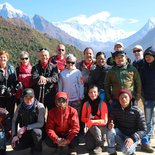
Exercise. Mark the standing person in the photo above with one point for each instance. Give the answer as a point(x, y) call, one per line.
point(85, 66)
point(95, 116)
point(59, 58)
point(23, 74)
point(44, 78)
point(147, 73)
point(7, 83)
point(138, 57)
point(126, 125)
point(62, 124)
point(118, 46)
point(122, 75)
point(97, 76)
point(29, 116)
point(71, 82)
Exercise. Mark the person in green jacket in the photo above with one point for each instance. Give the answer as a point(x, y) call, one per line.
point(122, 76)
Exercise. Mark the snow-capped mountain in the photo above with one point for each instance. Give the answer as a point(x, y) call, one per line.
point(7, 11)
point(140, 34)
point(44, 26)
point(96, 28)
point(97, 31)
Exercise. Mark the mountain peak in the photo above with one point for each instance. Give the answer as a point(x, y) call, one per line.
point(7, 8)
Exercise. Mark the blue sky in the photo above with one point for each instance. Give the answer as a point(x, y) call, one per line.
point(136, 12)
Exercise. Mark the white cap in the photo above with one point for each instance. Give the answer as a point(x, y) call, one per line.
point(138, 47)
point(119, 43)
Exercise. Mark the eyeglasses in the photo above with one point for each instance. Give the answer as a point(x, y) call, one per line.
point(61, 50)
point(135, 51)
point(69, 62)
point(24, 58)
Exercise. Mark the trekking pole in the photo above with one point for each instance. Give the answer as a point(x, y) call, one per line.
point(43, 93)
point(40, 93)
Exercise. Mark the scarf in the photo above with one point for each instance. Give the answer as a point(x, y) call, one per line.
point(25, 68)
point(88, 64)
point(94, 105)
point(28, 107)
point(61, 63)
point(43, 65)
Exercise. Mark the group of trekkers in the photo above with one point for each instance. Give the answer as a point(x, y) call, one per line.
point(93, 100)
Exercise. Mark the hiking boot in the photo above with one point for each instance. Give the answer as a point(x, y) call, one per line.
point(115, 153)
point(147, 148)
point(73, 153)
point(97, 150)
point(132, 154)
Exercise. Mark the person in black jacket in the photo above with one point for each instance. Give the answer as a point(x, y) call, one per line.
point(44, 79)
point(147, 74)
point(7, 83)
point(97, 75)
point(30, 116)
point(126, 125)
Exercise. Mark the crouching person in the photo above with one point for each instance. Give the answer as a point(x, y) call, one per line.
point(62, 124)
point(95, 116)
point(126, 125)
point(5, 127)
point(30, 118)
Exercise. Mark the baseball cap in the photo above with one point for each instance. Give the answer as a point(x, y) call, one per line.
point(28, 92)
point(114, 54)
point(138, 47)
point(119, 43)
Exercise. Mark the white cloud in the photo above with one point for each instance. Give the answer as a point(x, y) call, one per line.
point(116, 20)
point(102, 16)
point(83, 19)
point(133, 21)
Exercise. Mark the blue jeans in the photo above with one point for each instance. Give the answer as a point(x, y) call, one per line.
point(116, 136)
point(149, 110)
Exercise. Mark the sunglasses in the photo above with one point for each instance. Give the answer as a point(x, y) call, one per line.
point(69, 62)
point(24, 58)
point(61, 50)
point(61, 100)
point(43, 49)
point(135, 51)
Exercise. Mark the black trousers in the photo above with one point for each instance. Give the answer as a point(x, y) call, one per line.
point(30, 139)
point(72, 145)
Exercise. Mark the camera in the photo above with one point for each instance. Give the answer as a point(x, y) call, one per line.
point(18, 86)
point(4, 91)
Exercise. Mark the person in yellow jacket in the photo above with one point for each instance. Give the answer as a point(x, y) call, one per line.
point(95, 117)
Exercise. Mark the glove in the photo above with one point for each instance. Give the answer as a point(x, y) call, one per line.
point(21, 131)
point(14, 140)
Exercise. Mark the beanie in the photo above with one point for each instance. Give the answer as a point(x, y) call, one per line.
point(127, 92)
point(150, 51)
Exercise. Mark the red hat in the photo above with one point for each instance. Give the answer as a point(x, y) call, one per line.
point(127, 92)
point(61, 95)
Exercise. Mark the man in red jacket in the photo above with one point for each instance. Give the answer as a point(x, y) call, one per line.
point(62, 124)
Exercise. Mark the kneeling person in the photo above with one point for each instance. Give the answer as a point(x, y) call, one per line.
point(30, 117)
